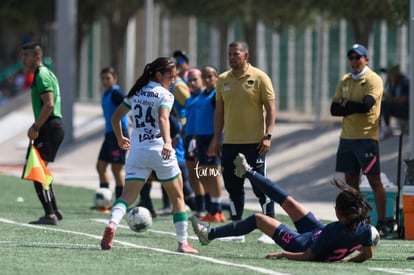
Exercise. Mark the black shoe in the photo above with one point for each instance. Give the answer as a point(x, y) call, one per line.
point(383, 229)
point(59, 214)
point(47, 219)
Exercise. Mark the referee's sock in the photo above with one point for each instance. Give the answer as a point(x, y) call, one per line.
point(45, 198)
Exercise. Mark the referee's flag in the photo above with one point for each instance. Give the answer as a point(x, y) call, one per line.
point(35, 168)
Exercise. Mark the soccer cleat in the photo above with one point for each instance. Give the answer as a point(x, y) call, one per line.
point(165, 211)
point(218, 217)
point(265, 239)
point(241, 165)
point(186, 248)
point(383, 229)
point(222, 217)
point(108, 236)
point(103, 210)
point(47, 219)
point(201, 230)
point(59, 214)
point(200, 214)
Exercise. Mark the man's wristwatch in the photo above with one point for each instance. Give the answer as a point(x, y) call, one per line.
point(267, 136)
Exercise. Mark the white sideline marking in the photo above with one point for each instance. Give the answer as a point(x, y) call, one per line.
point(208, 259)
point(82, 245)
point(150, 230)
point(395, 270)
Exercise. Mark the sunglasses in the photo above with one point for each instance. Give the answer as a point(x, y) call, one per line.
point(354, 57)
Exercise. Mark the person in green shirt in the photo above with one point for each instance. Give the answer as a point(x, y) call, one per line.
point(47, 131)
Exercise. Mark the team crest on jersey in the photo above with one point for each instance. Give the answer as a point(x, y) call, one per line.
point(345, 88)
point(226, 87)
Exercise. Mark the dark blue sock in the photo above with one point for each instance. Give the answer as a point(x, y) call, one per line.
point(239, 228)
point(200, 203)
point(191, 203)
point(207, 200)
point(118, 191)
point(270, 188)
point(104, 185)
point(145, 198)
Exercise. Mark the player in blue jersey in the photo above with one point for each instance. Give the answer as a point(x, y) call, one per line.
point(195, 83)
point(312, 240)
point(110, 152)
point(208, 168)
point(150, 148)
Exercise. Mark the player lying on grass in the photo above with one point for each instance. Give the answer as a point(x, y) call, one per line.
point(313, 240)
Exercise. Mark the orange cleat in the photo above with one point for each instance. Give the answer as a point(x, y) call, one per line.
point(108, 237)
point(186, 248)
point(217, 217)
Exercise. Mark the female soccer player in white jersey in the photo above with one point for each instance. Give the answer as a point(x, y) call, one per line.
point(150, 148)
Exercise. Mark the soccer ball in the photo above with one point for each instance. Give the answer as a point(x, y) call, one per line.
point(375, 236)
point(139, 219)
point(102, 198)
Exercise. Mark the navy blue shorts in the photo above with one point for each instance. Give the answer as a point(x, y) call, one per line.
point(298, 241)
point(50, 137)
point(203, 142)
point(187, 156)
point(110, 151)
point(354, 155)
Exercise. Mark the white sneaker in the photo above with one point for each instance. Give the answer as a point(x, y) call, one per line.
point(237, 239)
point(201, 230)
point(242, 167)
point(265, 239)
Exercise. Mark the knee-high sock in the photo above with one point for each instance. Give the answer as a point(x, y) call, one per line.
point(239, 228)
point(118, 211)
point(191, 203)
point(118, 191)
point(52, 195)
point(180, 220)
point(215, 206)
point(145, 198)
point(45, 198)
point(200, 203)
point(270, 188)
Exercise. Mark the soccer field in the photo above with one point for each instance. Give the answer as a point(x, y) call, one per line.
point(73, 247)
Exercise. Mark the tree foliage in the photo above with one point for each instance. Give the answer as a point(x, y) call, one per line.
point(275, 13)
point(117, 13)
point(26, 15)
point(36, 15)
point(362, 14)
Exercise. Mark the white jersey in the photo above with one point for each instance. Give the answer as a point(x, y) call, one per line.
point(144, 106)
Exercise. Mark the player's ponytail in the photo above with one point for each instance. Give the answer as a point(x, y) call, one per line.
point(351, 206)
point(161, 64)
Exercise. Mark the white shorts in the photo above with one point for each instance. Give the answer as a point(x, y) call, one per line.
point(141, 163)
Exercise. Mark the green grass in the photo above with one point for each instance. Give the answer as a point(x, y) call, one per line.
point(72, 247)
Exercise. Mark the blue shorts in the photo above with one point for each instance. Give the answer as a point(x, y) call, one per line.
point(110, 151)
point(354, 155)
point(187, 156)
point(203, 142)
point(298, 241)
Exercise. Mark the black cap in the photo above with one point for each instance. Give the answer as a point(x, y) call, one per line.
point(181, 54)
